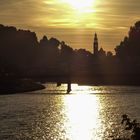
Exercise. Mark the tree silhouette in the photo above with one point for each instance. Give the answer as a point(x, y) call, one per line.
point(129, 48)
point(22, 55)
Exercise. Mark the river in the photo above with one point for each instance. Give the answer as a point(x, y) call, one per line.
point(87, 113)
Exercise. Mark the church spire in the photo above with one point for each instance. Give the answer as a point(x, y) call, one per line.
point(95, 45)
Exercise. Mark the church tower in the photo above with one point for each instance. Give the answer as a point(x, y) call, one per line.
point(95, 45)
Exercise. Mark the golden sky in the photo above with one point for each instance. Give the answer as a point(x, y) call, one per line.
point(73, 21)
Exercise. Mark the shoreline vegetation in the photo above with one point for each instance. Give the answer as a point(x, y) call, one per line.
point(22, 56)
point(131, 126)
point(13, 86)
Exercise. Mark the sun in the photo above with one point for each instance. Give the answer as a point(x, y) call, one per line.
point(81, 4)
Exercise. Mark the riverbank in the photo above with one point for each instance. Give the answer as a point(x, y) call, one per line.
point(12, 86)
point(116, 80)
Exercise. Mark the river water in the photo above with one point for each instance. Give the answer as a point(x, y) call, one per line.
point(87, 113)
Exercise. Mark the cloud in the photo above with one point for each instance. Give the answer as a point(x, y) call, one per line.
point(108, 17)
point(57, 13)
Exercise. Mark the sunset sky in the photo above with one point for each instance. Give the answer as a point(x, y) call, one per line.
point(73, 21)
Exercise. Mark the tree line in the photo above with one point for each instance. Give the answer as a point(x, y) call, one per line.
point(22, 55)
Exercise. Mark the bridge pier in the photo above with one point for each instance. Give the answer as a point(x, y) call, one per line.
point(68, 86)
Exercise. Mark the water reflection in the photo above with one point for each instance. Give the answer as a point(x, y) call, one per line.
point(76, 89)
point(80, 89)
point(83, 121)
point(51, 114)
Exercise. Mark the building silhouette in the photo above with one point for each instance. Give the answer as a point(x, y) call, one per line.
point(95, 45)
point(97, 52)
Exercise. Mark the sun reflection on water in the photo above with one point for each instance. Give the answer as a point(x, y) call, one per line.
point(82, 112)
point(77, 89)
